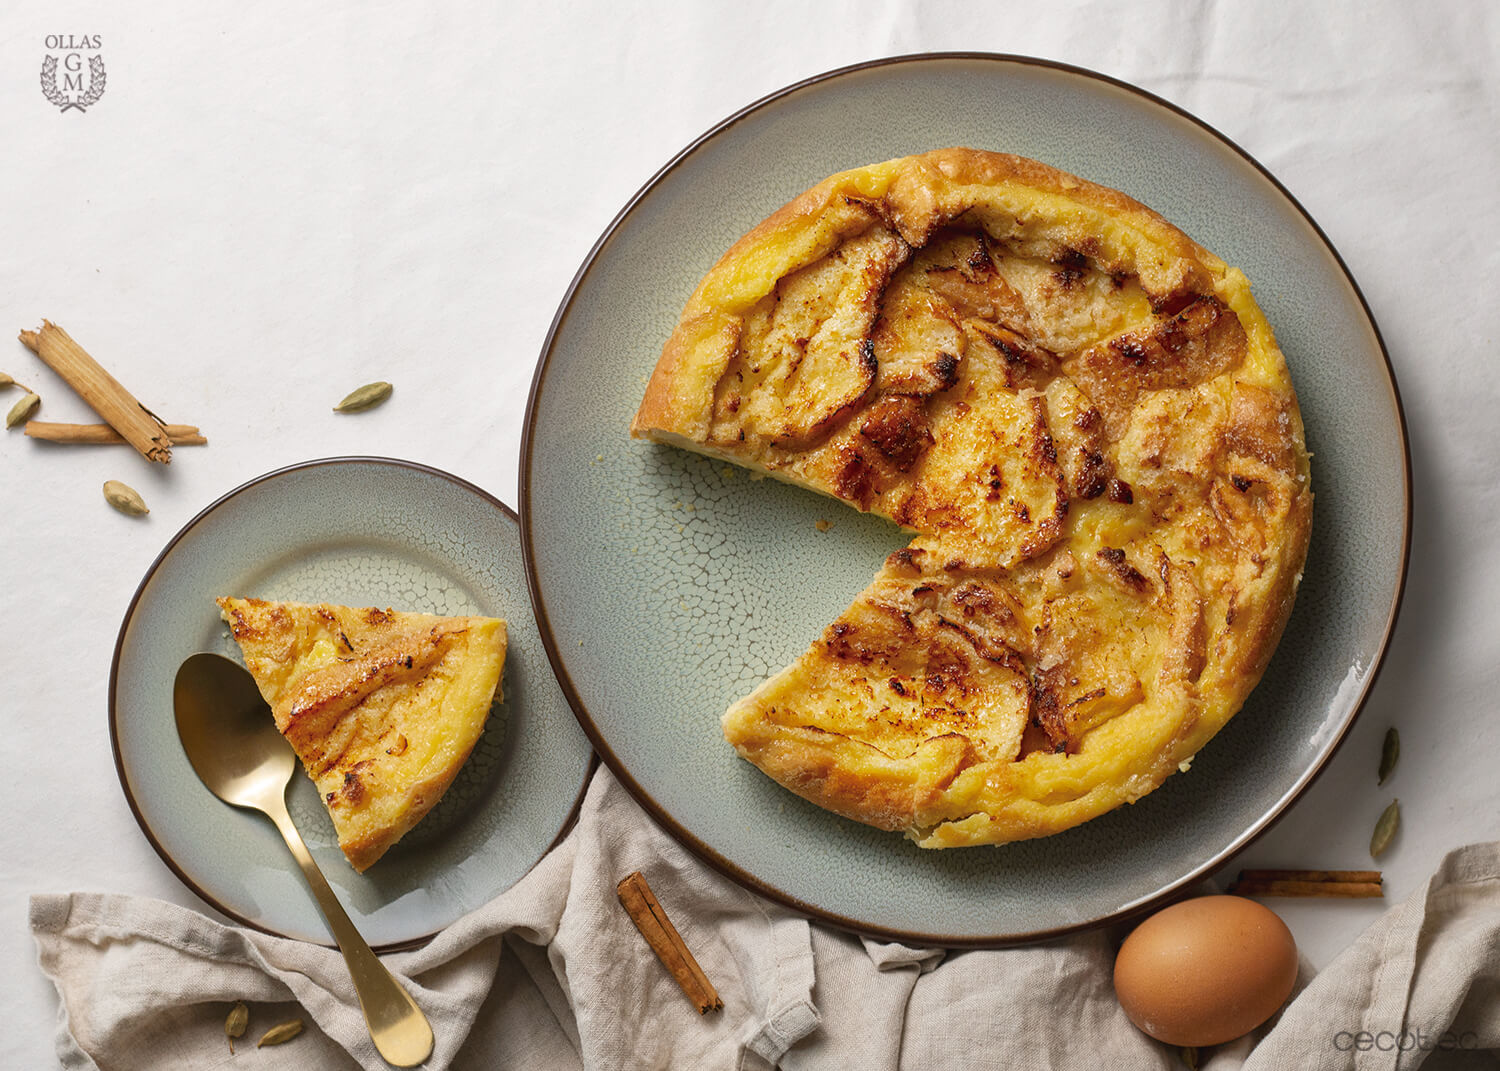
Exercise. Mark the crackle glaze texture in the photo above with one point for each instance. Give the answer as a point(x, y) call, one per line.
point(358, 532)
point(671, 584)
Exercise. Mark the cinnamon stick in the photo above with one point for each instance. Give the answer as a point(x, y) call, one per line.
point(640, 904)
point(1349, 890)
point(103, 434)
point(1347, 884)
point(1311, 875)
point(106, 396)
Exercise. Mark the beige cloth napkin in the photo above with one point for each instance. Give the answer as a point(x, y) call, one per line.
point(552, 974)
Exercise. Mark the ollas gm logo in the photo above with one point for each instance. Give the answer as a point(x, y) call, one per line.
point(73, 71)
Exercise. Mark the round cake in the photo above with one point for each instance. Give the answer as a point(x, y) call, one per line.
point(1085, 421)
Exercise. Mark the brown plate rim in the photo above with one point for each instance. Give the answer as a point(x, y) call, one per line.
point(114, 670)
point(703, 851)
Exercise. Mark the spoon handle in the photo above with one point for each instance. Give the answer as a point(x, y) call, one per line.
point(397, 1026)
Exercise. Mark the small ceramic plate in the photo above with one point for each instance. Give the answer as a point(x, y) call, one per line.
point(360, 532)
point(667, 585)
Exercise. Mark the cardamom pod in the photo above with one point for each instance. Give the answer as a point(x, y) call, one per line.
point(1390, 752)
point(7, 381)
point(1189, 1056)
point(1385, 829)
point(234, 1026)
point(366, 397)
point(280, 1032)
point(124, 498)
point(22, 410)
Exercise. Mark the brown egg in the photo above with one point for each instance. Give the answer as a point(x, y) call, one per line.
point(1205, 971)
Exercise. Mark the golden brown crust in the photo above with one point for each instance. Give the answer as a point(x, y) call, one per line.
point(664, 406)
point(382, 707)
point(1086, 419)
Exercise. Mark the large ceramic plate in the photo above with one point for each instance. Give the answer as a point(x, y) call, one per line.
point(668, 585)
point(362, 532)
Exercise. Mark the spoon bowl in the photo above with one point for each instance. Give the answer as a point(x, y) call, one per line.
point(228, 733)
point(232, 742)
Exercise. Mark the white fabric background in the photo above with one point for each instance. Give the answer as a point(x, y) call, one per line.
point(276, 202)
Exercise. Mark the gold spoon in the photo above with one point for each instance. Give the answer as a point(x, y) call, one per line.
point(232, 741)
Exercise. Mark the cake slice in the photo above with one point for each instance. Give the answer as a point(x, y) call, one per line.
point(382, 707)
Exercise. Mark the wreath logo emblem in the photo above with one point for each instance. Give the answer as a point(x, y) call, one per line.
point(63, 81)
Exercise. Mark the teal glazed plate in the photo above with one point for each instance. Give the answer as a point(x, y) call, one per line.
point(666, 585)
point(360, 532)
